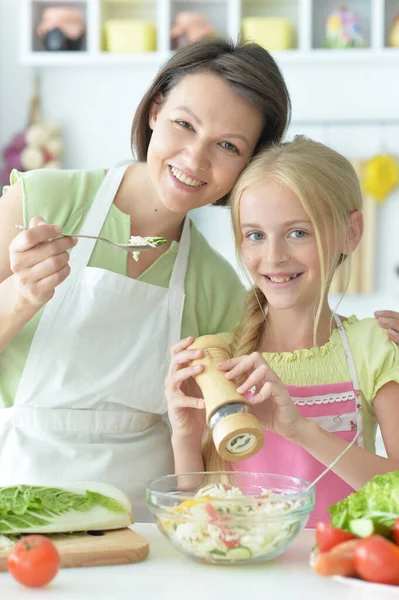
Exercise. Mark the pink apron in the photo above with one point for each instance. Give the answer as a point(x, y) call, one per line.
point(337, 408)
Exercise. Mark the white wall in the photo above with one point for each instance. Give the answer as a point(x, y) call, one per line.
point(15, 80)
point(96, 104)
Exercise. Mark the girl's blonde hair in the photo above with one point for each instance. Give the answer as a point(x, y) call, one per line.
point(328, 187)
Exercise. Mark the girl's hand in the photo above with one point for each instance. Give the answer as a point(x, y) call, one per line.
point(185, 402)
point(271, 402)
point(389, 320)
point(39, 262)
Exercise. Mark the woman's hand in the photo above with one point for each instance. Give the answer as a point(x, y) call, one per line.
point(389, 320)
point(39, 262)
point(185, 402)
point(271, 402)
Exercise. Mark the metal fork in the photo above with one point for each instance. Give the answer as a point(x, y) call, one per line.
point(126, 247)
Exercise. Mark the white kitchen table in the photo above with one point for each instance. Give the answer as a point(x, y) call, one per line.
point(167, 575)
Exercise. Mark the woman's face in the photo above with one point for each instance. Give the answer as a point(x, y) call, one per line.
point(204, 133)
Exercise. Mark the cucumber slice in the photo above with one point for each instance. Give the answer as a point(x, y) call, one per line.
point(239, 553)
point(218, 553)
point(365, 527)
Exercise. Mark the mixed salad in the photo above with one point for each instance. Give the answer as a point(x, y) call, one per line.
point(362, 539)
point(137, 240)
point(222, 524)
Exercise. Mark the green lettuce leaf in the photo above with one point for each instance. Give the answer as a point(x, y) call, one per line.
point(378, 500)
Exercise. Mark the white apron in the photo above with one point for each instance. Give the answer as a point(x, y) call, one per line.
point(91, 396)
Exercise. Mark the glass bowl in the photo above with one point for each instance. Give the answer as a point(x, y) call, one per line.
point(230, 517)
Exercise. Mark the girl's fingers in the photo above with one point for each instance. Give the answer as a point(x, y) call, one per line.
point(181, 345)
point(264, 393)
point(246, 365)
point(181, 401)
point(183, 359)
point(177, 377)
point(256, 379)
point(226, 365)
point(276, 391)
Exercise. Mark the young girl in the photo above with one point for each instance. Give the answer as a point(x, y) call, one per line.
point(318, 380)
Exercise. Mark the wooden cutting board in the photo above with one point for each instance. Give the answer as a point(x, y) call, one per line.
point(118, 547)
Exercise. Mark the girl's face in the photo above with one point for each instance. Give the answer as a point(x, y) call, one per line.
point(279, 246)
point(203, 136)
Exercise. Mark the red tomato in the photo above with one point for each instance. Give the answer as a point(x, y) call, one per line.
point(34, 561)
point(395, 531)
point(328, 536)
point(377, 560)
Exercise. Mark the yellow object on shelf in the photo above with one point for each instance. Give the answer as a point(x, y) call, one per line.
point(273, 33)
point(130, 35)
point(394, 33)
point(381, 176)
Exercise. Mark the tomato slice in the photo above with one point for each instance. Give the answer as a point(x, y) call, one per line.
point(328, 536)
point(377, 560)
point(213, 513)
point(34, 561)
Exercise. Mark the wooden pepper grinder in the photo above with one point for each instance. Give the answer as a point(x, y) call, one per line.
point(236, 432)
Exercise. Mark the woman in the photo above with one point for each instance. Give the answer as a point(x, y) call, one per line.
point(85, 340)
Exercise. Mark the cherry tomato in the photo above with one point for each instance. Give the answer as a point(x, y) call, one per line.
point(328, 536)
point(377, 560)
point(34, 561)
point(395, 532)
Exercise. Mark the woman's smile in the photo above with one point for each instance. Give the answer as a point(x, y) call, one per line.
point(185, 180)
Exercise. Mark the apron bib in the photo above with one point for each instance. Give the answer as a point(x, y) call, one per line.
point(337, 408)
point(90, 401)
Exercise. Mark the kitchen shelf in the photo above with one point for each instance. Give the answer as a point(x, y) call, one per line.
point(307, 16)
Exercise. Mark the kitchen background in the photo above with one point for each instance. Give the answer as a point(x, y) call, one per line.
point(346, 97)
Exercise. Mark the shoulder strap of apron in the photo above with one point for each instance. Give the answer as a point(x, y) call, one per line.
point(348, 353)
point(180, 267)
point(96, 216)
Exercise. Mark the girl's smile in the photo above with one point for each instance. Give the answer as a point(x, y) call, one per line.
point(280, 280)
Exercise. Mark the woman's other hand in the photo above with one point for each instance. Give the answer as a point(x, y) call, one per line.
point(389, 320)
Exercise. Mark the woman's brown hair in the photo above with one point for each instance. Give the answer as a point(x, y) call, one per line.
point(249, 70)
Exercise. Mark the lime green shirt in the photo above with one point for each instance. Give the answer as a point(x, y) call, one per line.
point(376, 360)
point(214, 294)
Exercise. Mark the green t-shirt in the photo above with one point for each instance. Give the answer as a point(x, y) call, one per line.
point(214, 294)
